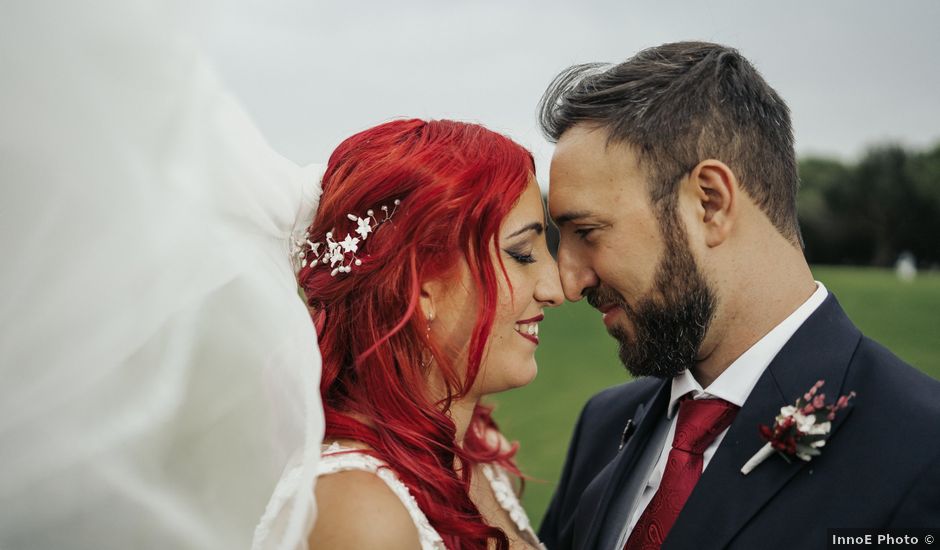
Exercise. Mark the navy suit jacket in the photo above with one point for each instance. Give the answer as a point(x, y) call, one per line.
point(879, 468)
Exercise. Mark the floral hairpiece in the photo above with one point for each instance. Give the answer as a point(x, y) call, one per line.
point(341, 255)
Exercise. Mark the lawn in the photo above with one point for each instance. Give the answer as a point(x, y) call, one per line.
point(577, 358)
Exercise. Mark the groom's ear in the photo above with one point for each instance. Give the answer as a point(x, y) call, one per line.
point(714, 189)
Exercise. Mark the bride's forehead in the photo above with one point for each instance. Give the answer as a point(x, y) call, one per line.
point(528, 204)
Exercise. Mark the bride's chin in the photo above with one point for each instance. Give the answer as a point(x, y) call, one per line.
point(518, 376)
point(529, 379)
point(522, 375)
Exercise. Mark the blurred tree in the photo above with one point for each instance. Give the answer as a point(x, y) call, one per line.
point(867, 214)
point(824, 232)
point(877, 206)
point(924, 171)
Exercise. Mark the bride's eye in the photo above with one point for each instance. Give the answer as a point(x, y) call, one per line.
point(521, 257)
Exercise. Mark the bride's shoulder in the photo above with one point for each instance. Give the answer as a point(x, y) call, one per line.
point(357, 509)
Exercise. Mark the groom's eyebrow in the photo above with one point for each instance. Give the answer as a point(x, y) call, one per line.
point(568, 217)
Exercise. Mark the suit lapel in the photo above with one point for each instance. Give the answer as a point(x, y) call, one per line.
point(724, 499)
point(595, 501)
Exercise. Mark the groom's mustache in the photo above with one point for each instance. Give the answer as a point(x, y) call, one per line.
point(601, 296)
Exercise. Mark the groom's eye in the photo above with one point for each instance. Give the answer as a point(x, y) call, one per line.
point(583, 232)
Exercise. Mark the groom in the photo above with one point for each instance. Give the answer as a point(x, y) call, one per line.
point(673, 185)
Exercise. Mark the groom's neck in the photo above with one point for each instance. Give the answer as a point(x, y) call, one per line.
point(758, 287)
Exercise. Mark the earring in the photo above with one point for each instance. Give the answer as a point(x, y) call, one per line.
point(427, 336)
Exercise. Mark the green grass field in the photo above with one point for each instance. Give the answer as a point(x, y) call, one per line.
point(577, 358)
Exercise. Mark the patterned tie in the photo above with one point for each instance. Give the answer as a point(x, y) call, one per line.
point(699, 423)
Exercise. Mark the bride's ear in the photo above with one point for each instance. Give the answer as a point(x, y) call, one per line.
point(430, 290)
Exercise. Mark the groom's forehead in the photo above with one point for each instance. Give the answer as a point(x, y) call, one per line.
point(586, 201)
point(588, 177)
point(586, 157)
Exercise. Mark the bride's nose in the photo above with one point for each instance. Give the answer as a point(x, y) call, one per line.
point(548, 291)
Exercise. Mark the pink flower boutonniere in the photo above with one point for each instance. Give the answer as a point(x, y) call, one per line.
point(800, 429)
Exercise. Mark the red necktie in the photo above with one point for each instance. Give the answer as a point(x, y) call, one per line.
point(699, 423)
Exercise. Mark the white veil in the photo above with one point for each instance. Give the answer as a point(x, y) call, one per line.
point(158, 371)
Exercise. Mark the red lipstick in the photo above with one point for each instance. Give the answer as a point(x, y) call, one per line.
point(535, 319)
point(530, 337)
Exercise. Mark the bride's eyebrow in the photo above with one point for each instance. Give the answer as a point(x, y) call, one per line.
point(538, 227)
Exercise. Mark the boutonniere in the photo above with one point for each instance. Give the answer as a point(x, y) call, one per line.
point(800, 429)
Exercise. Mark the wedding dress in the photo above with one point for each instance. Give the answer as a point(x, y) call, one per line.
point(157, 368)
point(336, 458)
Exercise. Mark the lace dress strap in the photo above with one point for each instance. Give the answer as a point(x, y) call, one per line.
point(507, 499)
point(336, 458)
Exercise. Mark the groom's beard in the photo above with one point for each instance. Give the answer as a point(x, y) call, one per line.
point(670, 322)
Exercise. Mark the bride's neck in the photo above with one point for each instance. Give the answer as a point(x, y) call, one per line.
point(461, 412)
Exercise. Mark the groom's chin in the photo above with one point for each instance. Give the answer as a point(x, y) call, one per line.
point(644, 361)
point(644, 370)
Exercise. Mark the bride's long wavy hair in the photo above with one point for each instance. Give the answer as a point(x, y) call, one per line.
point(456, 183)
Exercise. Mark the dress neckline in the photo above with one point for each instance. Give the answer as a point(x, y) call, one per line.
point(495, 475)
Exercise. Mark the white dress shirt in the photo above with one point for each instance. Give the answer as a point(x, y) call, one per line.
point(733, 385)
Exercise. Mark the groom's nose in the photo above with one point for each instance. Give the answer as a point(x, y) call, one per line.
point(576, 274)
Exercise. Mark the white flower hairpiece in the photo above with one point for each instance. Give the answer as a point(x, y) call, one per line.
point(341, 255)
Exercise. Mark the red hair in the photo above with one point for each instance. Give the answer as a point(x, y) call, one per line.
point(456, 182)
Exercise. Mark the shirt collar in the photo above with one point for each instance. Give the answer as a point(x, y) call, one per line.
point(736, 382)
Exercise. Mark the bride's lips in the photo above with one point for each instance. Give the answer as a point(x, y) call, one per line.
point(529, 333)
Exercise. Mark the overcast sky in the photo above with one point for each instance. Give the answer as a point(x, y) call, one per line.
point(854, 73)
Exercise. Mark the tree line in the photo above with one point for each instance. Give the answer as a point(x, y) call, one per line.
point(870, 211)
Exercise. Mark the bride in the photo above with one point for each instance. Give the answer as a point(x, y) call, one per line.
point(159, 371)
point(426, 272)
